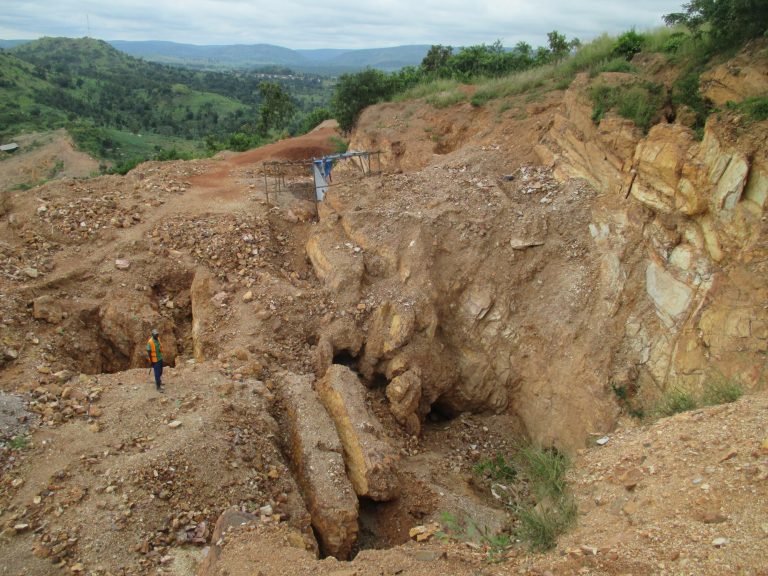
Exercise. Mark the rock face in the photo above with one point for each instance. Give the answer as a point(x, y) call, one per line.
point(625, 260)
point(201, 292)
point(315, 453)
point(456, 317)
point(699, 209)
point(126, 321)
point(371, 463)
point(745, 76)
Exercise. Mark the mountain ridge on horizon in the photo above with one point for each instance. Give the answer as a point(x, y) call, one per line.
point(242, 56)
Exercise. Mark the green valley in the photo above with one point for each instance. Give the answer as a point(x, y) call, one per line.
point(123, 109)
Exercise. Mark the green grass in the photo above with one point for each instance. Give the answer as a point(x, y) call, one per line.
point(542, 502)
point(19, 442)
point(427, 89)
point(553, 509)
point(675, 401)
point(446, 99)
point(717, 389)
point(640, 102)
point(498, 468)
point(720, 390)
point(755, 109)
point(541, 526)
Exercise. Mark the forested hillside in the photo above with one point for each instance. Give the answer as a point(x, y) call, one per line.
point(107, 98)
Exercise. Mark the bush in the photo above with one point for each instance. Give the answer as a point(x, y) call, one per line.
point(629, 44)
point(356, 91)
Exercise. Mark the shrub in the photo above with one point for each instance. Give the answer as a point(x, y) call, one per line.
point(629, 44)
point(356, 91)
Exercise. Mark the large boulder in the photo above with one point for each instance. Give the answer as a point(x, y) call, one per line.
point(315, 453)
point(371, 461)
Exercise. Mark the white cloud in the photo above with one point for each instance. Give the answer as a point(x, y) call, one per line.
point(329, 24)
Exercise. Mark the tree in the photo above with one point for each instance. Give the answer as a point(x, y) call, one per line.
point(727, 22)
point(436, 58)
point(559, 47)
point(356, 91)
point(276, 107)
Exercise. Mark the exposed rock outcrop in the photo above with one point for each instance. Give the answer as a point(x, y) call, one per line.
point(371, 462)
point(315, 453)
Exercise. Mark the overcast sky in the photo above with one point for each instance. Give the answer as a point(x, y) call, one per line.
point(329, 23)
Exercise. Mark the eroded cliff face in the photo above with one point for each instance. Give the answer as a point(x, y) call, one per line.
point(470, 287)
point(547, 261)
point(700, 312)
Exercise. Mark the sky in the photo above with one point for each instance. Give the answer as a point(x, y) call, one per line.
point(300, 24)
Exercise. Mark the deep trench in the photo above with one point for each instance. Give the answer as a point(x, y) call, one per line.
point(383, 525)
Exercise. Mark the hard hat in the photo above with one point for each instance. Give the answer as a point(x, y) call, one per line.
point(155, 332)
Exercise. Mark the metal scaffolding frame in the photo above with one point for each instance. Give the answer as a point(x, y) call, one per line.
point(275, 172)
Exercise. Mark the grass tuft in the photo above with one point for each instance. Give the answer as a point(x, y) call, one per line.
point(19, 443)
point(720, 390)
point(675, 401)
point(541, 525)
point(554, 510)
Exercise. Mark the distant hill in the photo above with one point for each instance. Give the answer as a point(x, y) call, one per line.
point(4, 44)
point(108, 99)
point(249, 56)
point(326, 60)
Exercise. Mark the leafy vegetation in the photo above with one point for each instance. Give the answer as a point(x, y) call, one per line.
point(498, 468)
point(106, 98)
point(726, 23)
point(640, 102)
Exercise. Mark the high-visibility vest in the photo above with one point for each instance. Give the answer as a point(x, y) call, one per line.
point(152, 349)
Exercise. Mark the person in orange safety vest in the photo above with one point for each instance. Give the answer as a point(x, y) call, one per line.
point(155, 355)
